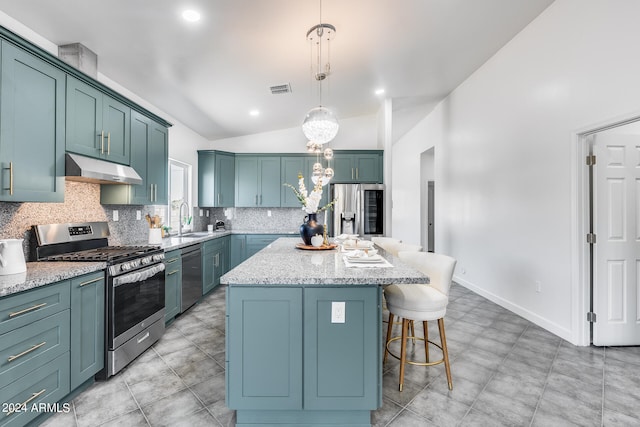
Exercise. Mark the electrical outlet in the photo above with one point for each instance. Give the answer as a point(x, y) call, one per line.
point(116, 217)
point(337, 311)
point(268, 213)
point(138, 215)
point(538, 286)
point(207, 214)
point(201, 212)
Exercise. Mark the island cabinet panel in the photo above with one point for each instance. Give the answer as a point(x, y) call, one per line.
point(265, 347)
point(341, 360)
point(285, 353)
point(32, 133)
point(87, 327)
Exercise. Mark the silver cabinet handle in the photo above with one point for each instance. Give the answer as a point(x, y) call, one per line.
point(26, 402)
point(102, 142)
point(351, 173)
point(144, 337)
point(26, 310)
point(357, 177)
point(261, 200)
point(90, 282)
point(27, 351)
point(256, 199)
point(108, 143)
point(10, 179)
point(216, 262)
point(172, 272)
point(218, 202)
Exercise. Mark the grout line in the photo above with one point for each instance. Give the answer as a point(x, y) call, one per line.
point(544, 387)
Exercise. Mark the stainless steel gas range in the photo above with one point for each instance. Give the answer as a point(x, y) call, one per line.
point(135, 285)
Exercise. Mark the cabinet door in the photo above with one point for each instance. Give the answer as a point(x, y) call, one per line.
point(140, 194)
point(173, 285)
point(290, 168)
point(87, 327)
point(238, 252)
point(158, 163)
point(225, 176)
point(84, 119)
point(269, 181)
point(343, 168)
point(246, 181)
point(116, 123)
point(368, 168)
point(32, 115)
point(208, 270)
point(342, 366)
point(260, 319)
point(206, 178)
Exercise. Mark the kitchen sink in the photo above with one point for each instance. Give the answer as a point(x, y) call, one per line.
point(197, 234)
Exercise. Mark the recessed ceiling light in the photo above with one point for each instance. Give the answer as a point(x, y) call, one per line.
point(379, 91)
point(191, 15)
point(254, 113)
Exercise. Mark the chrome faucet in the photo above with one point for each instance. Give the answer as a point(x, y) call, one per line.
point(180, 216)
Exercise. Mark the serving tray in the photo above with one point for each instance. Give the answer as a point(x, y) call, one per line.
point(316, 248)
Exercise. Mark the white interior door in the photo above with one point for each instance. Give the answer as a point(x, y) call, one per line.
point(616, 224)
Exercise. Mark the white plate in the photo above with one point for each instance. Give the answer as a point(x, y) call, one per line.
point(372, 258)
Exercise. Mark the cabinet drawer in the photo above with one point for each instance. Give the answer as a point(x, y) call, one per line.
point(46, 385)
point(33, 345)
point(24, 308)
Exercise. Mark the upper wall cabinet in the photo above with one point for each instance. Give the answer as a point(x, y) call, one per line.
point(149, 157)
point(216, 179)
point(32, 116)
point(97, 125)
point(258, 181)
point(291, 166)
point(365, 166)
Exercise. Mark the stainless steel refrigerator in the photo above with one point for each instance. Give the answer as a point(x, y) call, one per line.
point(359, 209)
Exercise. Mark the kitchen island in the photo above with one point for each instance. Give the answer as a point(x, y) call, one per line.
point(304, 336)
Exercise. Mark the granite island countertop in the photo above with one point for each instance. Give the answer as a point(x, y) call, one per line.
point(281, 263)
point(43, 273)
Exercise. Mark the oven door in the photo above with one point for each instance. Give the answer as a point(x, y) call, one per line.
point(136, 300)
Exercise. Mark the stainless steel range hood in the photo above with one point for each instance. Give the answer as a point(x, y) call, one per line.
point(86, 169)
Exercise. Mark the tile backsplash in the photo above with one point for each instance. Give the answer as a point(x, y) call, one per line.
point(82, 204)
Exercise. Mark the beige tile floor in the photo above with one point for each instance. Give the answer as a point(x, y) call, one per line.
point(506, 372)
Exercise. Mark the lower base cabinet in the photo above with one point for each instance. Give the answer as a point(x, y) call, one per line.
point(173, 284)
point(215, 262)
point(51, 343)
point(316, 371)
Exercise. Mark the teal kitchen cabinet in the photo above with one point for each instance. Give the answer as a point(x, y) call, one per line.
point(32, 131)
point(258, 319)
point(243, 246)
point(97, 125)
point(238, 250)
point(216, 178)
point(357, 166)
point(34, 349)
point(173, 284)
point(215, 262)
point(258, 182)
point(150, 158)
point(87, 327)
point(291, 166)
point(317, 371)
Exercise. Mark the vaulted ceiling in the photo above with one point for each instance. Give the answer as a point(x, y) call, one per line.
point(210, 74)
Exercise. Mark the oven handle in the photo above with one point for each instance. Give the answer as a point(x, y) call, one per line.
point(138, 276)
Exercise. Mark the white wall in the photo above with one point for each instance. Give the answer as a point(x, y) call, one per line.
point(503, 154)
point(359, 133)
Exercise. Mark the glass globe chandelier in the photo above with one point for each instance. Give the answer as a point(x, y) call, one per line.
point(320, 124)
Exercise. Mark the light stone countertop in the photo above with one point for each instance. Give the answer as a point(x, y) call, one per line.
point(44, 273)
point(281, 263)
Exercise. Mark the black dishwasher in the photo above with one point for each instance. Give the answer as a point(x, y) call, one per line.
point(191, 276)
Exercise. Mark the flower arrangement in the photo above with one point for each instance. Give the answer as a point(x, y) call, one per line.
point(310, 201)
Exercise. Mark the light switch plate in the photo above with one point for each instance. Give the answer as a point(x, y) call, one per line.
point(115, 216)
point(337, 312)
point(138, 215)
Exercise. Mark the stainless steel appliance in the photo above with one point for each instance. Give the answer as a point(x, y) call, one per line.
point(359, 209)
point(135, 285)
point(191, 276)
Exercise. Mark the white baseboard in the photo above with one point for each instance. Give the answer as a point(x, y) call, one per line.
point(550, 326)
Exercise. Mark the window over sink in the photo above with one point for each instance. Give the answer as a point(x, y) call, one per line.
point(180, 185)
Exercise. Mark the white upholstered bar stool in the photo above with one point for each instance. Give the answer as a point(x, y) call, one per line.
point(421, 303)
point(395, 248)
point(385, 242)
